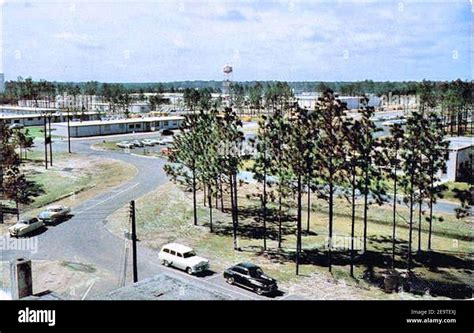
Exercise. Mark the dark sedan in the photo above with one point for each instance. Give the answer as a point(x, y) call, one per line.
point(252, 277)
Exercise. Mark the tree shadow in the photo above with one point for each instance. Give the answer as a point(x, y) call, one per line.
point(251, 225)
point(375, 265)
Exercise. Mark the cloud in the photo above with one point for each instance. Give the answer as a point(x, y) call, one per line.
point(233, 16)
point(274, 41)
point(83, 41)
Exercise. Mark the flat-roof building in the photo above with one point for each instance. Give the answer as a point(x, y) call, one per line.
point(460, 161)
point(123, 126)
point(37, 119)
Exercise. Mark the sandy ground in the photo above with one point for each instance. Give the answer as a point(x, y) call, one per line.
point(69, 280)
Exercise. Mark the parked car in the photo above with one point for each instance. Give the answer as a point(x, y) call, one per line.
point(166, 141)
point(16, 126)
point(252, 277)
point(125, 144)
point(24, 227)
point(137, 143)
point(167, 132)
point(148, 142)
point(155, 141)
point(182, 257)
point(54, 213)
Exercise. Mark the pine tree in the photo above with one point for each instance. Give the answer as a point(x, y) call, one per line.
point(392, 145)
point(299, 156)
point(353, 174)
point(331, 152)
point(411, 155)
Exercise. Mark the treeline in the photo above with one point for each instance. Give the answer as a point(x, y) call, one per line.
point(21, 87)
point(323, 152)
point(14, 185)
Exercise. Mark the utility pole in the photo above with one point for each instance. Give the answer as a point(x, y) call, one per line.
point(50, 141)
point(1, 169)
point(45, 143)
point(68, 131)
point(134, 241)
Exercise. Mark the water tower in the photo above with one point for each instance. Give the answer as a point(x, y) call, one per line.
point(227, 70)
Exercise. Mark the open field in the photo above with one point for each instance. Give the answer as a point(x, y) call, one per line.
point(37, 132)
point(166, 215)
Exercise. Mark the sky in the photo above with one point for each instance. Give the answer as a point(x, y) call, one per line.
point(151, 41)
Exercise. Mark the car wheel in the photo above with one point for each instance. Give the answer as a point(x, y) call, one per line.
point(189, 271)
point(165, 263)
point(259, 291)
point(230, 280)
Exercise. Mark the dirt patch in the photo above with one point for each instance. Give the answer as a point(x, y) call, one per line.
point(70, 280)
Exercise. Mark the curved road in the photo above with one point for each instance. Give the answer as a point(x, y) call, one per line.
point(84, 238)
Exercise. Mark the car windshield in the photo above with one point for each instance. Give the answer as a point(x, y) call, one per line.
point(189, 254)
point(256, 272)
point(56, 209)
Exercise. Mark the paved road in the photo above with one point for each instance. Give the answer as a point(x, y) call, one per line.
point(83, 238)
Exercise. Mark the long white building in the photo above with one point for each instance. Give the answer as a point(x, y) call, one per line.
point(123, 126)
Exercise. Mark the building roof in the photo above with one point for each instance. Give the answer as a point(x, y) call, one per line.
point(460, 142)
point(39, 115)
point(164, 287)
point(26, 108)
point(125, 121)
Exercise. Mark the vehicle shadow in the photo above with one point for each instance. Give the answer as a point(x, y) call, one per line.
point(60, 220)
point(275, 294)
point(206, 274)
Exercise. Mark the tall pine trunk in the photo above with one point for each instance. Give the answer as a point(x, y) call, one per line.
point(221, 194)
point(366, 206)
point(298, 226)
point(233, 204)
point(279, 214)
point(394, 214)
point(431, 209)
point(236, 203)
point(331, 203)
point(265, 205)
point(420, 208)
point(209, 198)
point(308, 216)
point(194, 196)
point(353, 219)
point(410, 231)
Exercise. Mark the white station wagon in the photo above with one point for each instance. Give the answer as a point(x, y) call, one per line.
point(182, 257)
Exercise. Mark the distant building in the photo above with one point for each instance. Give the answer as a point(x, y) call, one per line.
point(460, 160)
point(123, 126)
point(37, 119)
point(2, 83)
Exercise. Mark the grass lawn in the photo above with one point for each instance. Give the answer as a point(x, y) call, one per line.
point(109, 145)
point(72, 179)
point(450, 194)
point(165, 215)
point(37, 132)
